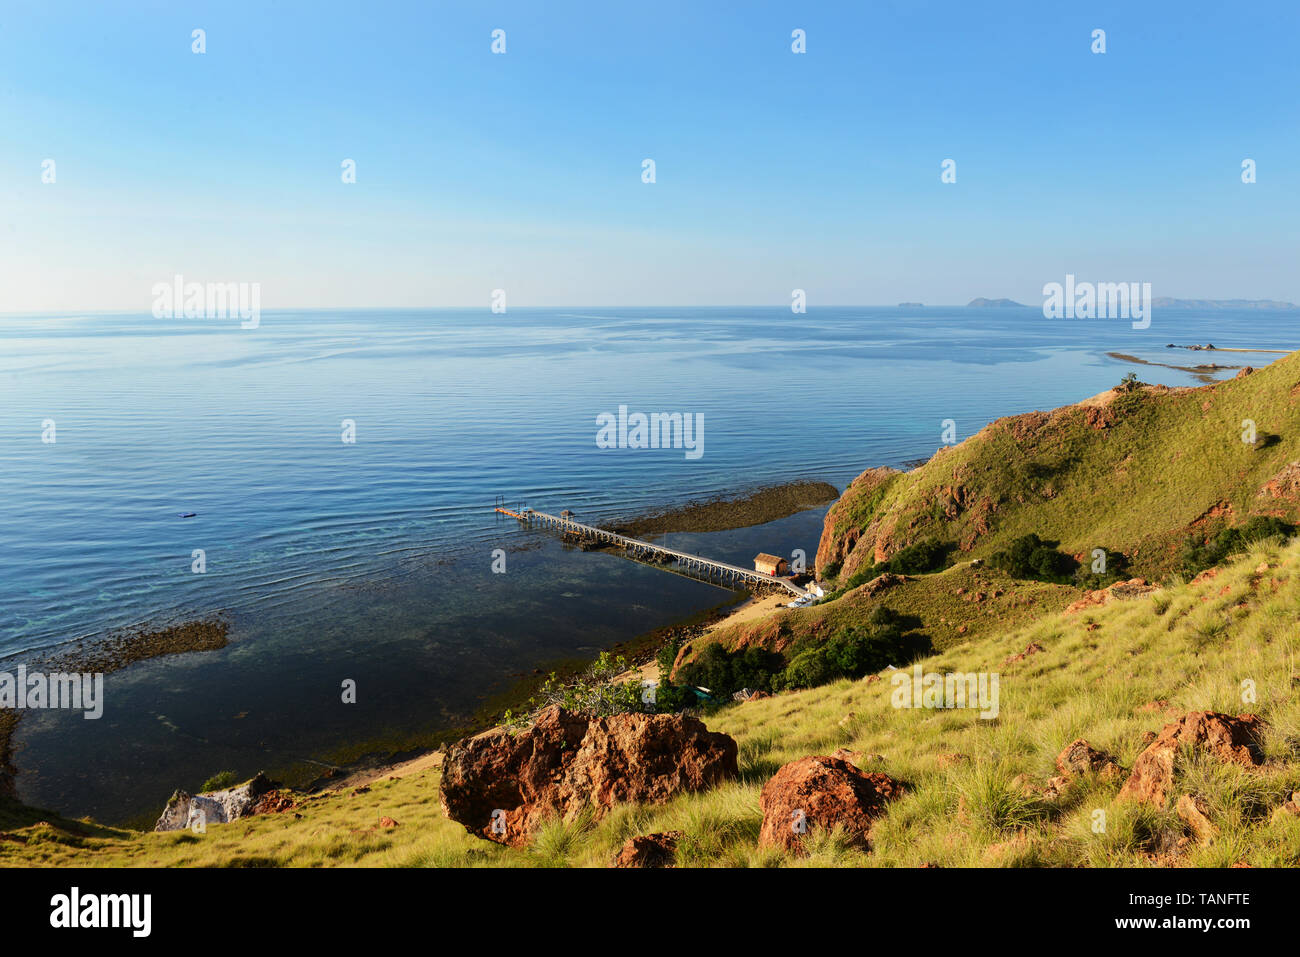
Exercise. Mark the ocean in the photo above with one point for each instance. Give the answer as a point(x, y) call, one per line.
point(371, 560)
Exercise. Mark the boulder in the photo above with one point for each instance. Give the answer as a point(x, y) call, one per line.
point(214, 807)
point(1032, 648)
point(1079, 758)
point(649, 850)
point(1056, 786)
point(1195, 813)
point(820, 792)
point(1230, 739)
point(1291, 807)
point(502, 786)
point(274, 802)
point(1133, 588)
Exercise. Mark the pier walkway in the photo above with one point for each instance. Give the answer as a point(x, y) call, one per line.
point(639, 549)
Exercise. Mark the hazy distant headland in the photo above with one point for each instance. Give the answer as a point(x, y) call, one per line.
point(1167, 302)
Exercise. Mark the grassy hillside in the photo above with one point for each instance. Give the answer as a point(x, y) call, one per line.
point(1133, 471)
point(974, 787)
point(955, 605)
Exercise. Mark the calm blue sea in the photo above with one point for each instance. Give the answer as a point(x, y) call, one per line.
point(371, 560)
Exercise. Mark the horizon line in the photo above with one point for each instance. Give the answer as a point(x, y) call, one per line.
point(1282, 303)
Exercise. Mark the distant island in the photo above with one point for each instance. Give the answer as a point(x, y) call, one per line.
point(1165, 302)
point(911, 305)
point(1161, 302)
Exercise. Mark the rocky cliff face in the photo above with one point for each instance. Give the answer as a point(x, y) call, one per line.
point(853, 520)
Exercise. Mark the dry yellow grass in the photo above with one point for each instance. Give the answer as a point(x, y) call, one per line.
point(1212, 646)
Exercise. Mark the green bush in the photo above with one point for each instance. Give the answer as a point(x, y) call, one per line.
point(1117, 569)
point(854, 651)
point(219, 782)
point(594, 693)
point(723, 672)
point(1032, 557)
point(1198, 554)
point(918, 558)
point(915, 559)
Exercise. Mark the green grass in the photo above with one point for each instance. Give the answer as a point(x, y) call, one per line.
point(1133, 476)
point(985, 811)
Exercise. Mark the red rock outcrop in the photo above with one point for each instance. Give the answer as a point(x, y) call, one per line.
point(1234, 740)
point(503, 786)
point(649, 850)
point(820, 792)
point(1133, 588)
point(1195, 813)
point(836, 548)
point(1033, 648)
point(1079, 758)
point(1284, 485)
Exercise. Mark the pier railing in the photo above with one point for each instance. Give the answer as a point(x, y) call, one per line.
point(706, 566)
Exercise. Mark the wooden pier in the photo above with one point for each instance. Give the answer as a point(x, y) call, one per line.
point(707, 567)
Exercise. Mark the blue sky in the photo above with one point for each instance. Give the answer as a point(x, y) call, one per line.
point(523, 171)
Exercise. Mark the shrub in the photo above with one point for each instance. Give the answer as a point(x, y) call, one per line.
point(1032, 557)
point(594, 693)
point(219, 782)
point(1198, 554)
point(723, 672)
point(914, 559)
point(854, 651)
point(918, 558)
point(885, 638)
point(1117, 567)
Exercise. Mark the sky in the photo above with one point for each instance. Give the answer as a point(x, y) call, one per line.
point(522, 170)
